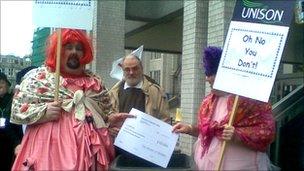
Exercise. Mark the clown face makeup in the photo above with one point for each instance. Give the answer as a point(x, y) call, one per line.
point(76, 51)
point(72, 53)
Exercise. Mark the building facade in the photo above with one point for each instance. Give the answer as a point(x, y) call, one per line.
point(39, 44)
point(10, 65)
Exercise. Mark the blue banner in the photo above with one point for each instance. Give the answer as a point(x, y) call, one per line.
point(264, 12)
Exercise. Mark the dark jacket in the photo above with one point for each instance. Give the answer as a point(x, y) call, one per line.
point(156, 103)
point(10, 135)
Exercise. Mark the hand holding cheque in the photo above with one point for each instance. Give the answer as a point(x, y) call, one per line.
point(147, 137)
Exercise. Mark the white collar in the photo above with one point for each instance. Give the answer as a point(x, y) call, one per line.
point(139, 85)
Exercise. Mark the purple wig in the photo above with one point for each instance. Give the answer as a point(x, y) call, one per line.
point(211, 59)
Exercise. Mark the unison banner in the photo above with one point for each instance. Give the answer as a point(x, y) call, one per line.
point(253, 48)
point(63, 13)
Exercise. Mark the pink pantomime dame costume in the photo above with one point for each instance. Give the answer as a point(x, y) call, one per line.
point(79, 139)
point(248, 137)
point(254, 125)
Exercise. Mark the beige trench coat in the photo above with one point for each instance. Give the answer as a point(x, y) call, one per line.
point(156, 103)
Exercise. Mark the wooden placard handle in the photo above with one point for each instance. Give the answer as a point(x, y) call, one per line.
point(57, 73)
point(230, 123)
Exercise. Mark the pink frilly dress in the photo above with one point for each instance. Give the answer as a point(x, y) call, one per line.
point(79, 140)
point(238, 156)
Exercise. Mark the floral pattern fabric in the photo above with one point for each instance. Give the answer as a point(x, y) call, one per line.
point(74, 142)
point(29, 103)
point(254, 123)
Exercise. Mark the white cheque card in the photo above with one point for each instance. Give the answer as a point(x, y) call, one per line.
point(147, 137)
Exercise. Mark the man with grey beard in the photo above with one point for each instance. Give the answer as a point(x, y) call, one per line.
point(139, 91)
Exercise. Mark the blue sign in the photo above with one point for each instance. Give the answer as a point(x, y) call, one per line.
point(265, 12)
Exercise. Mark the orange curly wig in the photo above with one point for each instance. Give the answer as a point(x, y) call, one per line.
point(68, 36)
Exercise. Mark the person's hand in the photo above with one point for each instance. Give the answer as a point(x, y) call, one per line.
point(228, 133)
point(116, 119)
point(52, 112)
point(114, 131)
point(182, 128)
point(17, 149)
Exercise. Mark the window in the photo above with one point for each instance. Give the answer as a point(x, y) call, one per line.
point(155, 55)
point(10, 71)
point(151, 74)
point(152, 55)
point(155, 75)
